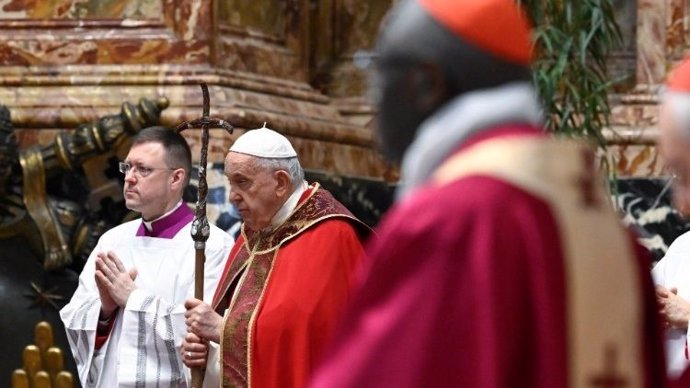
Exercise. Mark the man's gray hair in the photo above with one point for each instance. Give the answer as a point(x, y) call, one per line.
point(679, 107)
point(290, 165)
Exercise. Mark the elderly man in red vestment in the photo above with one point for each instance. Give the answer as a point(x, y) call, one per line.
point(502, 264)
point(288, 277)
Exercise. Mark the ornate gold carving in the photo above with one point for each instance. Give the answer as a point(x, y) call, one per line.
point(20, 379)
point(43, 336)
point(104, 135)
point(31, 358)
point(64, 380)
point(41, 380)
point(80, 151)
point(55, 247)
point(43, 363)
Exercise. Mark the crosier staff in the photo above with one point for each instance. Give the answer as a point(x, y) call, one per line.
point(200, 227)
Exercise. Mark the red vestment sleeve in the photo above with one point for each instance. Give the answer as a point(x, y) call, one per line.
point(103, 331)
point(652, 344)
point(308, 288)
point(228, 263)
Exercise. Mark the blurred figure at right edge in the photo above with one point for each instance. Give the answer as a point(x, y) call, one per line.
point(672, 273)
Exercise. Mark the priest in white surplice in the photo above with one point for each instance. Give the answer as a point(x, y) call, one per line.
point(125, 322)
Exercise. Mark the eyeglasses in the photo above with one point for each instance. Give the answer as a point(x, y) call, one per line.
point(140, 171)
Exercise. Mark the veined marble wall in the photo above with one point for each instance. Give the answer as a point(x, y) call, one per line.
point(656, 36)
point(286, 62)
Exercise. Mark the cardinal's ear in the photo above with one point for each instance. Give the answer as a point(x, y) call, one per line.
point(427, 83)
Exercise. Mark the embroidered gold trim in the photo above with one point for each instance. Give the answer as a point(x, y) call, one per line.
point(252, 319)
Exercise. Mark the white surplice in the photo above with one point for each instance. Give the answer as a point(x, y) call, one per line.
point(673, 270)
point(143, 349)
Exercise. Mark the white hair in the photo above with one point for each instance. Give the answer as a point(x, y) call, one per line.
point(290, 165)
point(677, 105)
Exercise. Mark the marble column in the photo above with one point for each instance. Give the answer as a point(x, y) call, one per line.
point(651, 42)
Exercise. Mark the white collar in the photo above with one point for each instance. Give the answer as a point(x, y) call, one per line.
point(289, 206)
point(149, 224)
point(442, 133)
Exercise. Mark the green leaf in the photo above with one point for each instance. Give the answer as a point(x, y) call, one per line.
point(574, 38)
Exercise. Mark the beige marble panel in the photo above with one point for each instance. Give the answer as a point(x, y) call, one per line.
point(651, 41)
point(636, 160)
point(358, 23)
point(267, 17)
point(64, 32)
point(633, 133)
point(245, 54)
point(356, 27)
point(81, 9)
point(676, 28)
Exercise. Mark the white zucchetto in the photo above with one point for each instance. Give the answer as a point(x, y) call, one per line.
point(264, 143)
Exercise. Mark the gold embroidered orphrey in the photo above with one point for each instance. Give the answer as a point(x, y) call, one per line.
point(596, 248)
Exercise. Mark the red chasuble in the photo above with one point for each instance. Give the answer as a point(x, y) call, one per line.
point(285, 292)
point(508, 269)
